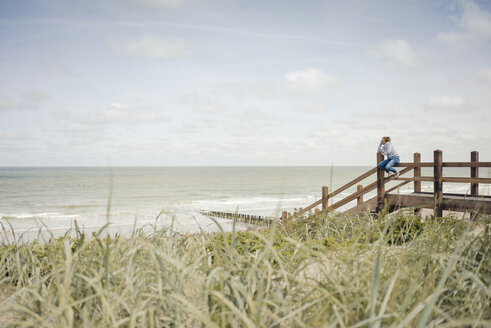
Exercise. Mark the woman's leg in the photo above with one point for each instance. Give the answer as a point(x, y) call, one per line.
point(391, 163)
point(383, 164)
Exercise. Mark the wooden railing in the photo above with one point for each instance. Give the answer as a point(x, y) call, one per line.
point(438, 179)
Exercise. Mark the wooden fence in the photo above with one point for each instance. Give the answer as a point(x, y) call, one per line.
point(472, 201)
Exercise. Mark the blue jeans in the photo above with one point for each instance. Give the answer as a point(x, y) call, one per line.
point(387, 165)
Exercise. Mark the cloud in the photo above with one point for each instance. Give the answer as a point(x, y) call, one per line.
point(309, 81)
point(80, 127)
point(474, 24)
point(142, 146)
point(313, 108)
point(83, 133)
point(188, 128)
point(396, 51)
point(154, 47)
point(30, 99)
point(329, 133)
point(251, 120)
point(263, 88)
point(256, 114)
point(94, 125)
point(208, 105)
point(394, 110)
point(119, 113)
point(449, 104)
point(13, 136)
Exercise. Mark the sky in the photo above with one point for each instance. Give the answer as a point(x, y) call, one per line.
point(242, 82)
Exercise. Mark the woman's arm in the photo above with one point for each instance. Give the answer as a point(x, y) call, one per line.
point(380, 149)
point(388, 148)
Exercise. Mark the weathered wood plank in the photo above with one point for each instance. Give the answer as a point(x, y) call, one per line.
point(438, 183)
point(421, 164)
point(450, 202)
point(466, 180)
point(426, 179)
point(474, 173)
point(466, 164)
point(445, 164)
point(449, 179)
point(417, 171)
point(325, 197)
point(380, 184)
point(359, 199)
point(412, 200)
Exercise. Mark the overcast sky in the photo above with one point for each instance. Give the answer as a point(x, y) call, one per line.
point(242, 82)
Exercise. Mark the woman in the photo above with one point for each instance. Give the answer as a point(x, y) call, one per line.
point(386, 148)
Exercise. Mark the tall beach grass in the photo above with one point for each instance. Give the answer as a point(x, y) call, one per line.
point(330, 271)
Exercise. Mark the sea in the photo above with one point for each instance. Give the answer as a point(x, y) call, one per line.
point(49, 201)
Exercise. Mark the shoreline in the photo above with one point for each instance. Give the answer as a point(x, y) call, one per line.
point(126, 230)
point(43, 233)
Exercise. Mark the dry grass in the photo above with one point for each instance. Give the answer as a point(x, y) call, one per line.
point(333, 271)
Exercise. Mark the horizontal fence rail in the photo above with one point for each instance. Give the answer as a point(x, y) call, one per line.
point(467, 180)
point(446, 164)
point(466, 164)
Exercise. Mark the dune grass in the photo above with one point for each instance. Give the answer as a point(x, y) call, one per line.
point(330, 271)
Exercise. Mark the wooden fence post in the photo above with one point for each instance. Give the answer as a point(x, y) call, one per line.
point(474, 173)
point(359, 199)
point(417, 172)
point(325, 198)
point(438, 184)
point(380, 184)
point(284, 217)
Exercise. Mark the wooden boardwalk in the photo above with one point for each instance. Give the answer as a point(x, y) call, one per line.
point(390, 199)
point(387, 199)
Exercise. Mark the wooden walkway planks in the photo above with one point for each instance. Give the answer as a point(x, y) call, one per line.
point(450, 202)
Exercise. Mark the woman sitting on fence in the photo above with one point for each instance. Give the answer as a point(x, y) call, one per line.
point(386, 148)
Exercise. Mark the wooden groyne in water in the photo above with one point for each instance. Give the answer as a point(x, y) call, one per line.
point(245, 218)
